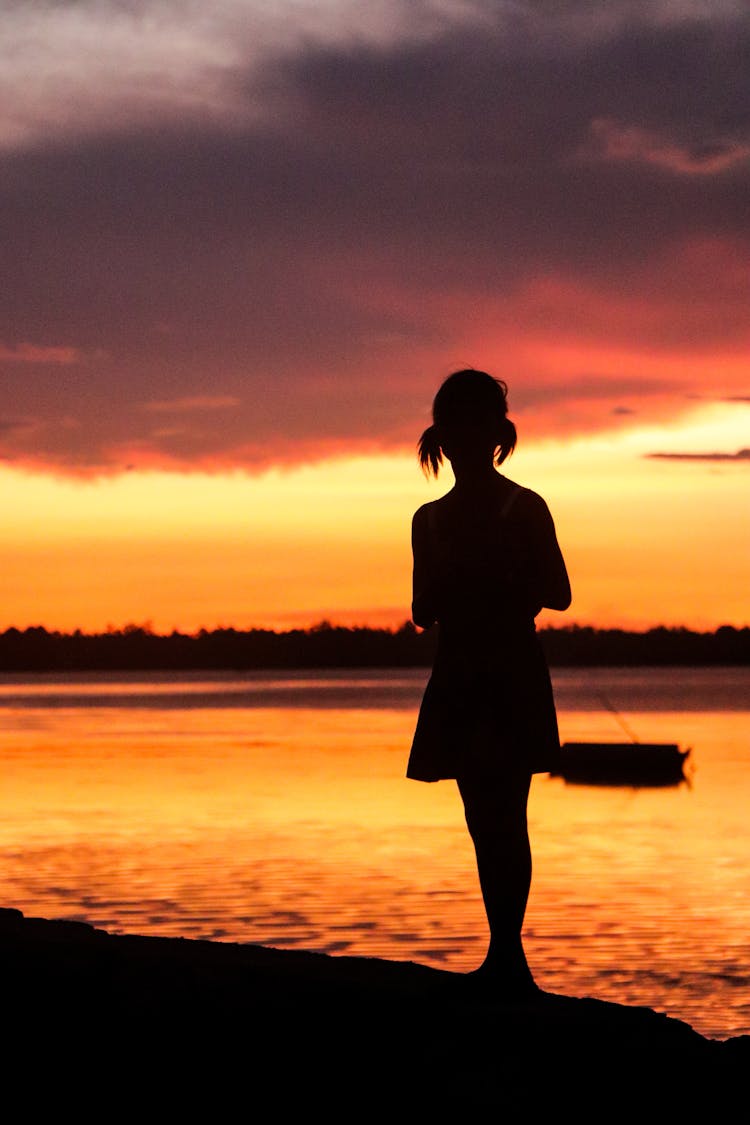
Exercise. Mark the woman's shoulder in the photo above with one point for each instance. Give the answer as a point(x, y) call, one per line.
point(525, 503)
point(426, 513)
point(528, 497)
point(520, 494)
point(432, 521)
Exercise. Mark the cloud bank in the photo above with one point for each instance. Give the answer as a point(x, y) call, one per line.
point(740, 455)
point(234, 238)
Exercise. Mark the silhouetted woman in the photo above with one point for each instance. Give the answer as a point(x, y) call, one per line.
point(486, 561)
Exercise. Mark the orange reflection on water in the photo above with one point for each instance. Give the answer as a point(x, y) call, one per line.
point(295, 826)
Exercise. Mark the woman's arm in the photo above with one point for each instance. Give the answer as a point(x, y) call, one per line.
point(548, 574)
point(424, 594)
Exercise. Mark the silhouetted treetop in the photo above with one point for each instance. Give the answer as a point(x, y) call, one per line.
point(138, 647)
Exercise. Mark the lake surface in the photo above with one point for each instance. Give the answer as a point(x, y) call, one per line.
point(273, 809)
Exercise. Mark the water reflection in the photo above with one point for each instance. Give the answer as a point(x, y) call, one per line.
point(295, 827)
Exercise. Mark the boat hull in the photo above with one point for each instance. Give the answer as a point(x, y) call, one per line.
point(622, 763)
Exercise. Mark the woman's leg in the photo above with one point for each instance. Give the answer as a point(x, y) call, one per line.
point(495, 810)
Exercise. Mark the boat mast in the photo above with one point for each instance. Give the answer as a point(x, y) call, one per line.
point(610, 707)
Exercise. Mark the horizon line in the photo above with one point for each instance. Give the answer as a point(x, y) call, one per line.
point(146, 628)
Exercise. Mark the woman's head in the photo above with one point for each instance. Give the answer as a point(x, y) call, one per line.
point(469, 413)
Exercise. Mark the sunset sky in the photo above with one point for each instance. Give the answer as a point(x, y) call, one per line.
point(243, 242)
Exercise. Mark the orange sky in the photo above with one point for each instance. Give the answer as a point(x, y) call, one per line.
point(647, 541)
point(241, 251)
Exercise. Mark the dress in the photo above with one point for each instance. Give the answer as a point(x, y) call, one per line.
point(488, 706)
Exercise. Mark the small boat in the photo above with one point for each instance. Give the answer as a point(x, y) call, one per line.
point(622, 763)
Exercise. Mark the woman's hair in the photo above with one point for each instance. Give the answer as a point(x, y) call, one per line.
point(467, 401)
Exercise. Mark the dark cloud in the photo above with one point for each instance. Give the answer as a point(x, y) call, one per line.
point(740, 455)
point(303, 272)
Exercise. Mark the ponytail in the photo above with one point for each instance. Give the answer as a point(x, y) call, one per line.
point(430, 453)
point(507, 438)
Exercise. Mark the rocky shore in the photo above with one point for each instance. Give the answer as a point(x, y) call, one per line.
point(185, 1026)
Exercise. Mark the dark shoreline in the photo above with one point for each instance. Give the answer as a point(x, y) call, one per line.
point(137, 648)
point(200, 1019)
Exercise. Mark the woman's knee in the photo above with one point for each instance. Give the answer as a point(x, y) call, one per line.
point(495, 821)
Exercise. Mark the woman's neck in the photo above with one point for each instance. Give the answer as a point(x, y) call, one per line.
point(476, 476)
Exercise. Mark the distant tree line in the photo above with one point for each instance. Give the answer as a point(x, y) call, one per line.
point(137, 647)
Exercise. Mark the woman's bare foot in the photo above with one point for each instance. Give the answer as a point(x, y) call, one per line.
point(505, 978)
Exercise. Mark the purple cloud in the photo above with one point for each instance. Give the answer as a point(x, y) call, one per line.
point(297, 232)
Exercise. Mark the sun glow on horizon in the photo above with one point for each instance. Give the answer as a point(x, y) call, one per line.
point(647, 541)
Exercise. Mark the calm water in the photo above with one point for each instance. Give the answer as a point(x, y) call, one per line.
point(273, 809)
